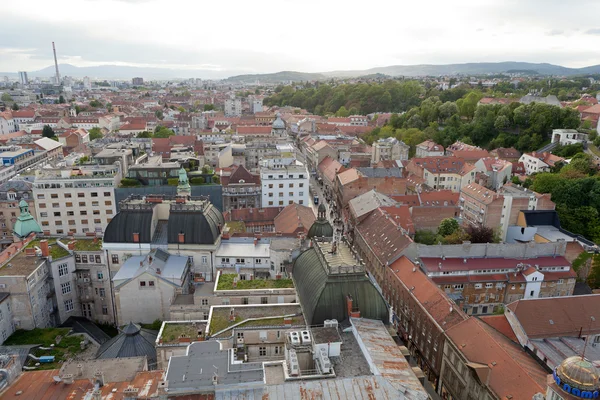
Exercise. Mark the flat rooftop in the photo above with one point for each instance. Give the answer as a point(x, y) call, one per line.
point(226, 283)
point(173, 330)
point(220, 318)
point(241, 250)
point(342, 261)
point(114, 369)
point(553, 234)
point(21, 265)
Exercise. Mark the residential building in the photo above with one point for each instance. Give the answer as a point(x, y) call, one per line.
point(482, 206)
point(7, 326)
point(145, 285)
point(233, 107)
point(79, 200)
point(23, 78)
point(484, 277)
point(26, 275)
point(116, 153)
point(188, 226)
point(389, 149)
point(241, 189)
point(255, 220)
point(450, 173)
point(317, 152)
point(481, 363)
point(248, 259)
point(539, 162)
point(285, 184)
point(429, 148)
point(294, 219)
point(137, 81)
point(257, 106)
point(569, 136)
point(467, 152)
point(556, 328)
point(7, 123)
point(508, 154)
point(153, 171)
point(24, 116)
point(498, 171)
point(421, 314)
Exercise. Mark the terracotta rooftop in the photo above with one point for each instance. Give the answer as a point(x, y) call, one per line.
point(512, 373)
point(501, 324)
point(430, 145)
point(558, 316)
point(383, 235)
point(479, 193)
point(459, 264)
point(294, 218)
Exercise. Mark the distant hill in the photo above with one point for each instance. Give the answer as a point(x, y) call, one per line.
point(278, 77)
point(468, 69)
point(124, 72)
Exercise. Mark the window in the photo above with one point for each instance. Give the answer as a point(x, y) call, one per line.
point(205, 316)
point(478, 286)
point(65, 287)
point(94, 194)
point(204, 260)
point(96, 212)
point(62, 269)
point(80, 194)
point(42, 205)
point(281, 185)
point(225, 301)
point(100, 276)
point(264, 300)
point(277, 350)
point(115, 259)
point(240, 335)
point(83, 212)
point(70, 213)
point(560, 281)
point(300, 202)
point(102, 292)
point(280, 194)
point(488, 285)
point(95, 204)
point(291, 185)
point(262, 351)
point(69, 305)
point(39, 196)
point(244, 300)
point(106, 194)
point(270, 186)
point(67, 195)
point(151, 283)
point(301, 184)
point(98, 221)
point(458, 286)
point(142, 283)
point(204, 302)
point(84, 222)
point(291, 194)
point(532, 292)
point(105, 310)
point(53, 195)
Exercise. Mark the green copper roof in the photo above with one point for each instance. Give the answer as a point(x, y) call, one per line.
point(25, 223)
point(320, 228)
point(323, 295)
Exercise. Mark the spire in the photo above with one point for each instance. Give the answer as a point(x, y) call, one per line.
point(25, 223)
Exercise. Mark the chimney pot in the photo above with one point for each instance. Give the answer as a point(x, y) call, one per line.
point(181, 238)
point(45, 248)
point(136, 237)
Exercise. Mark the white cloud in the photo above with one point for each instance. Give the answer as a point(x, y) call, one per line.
point(311, 36)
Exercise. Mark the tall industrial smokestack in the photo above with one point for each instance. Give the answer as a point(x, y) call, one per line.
point(56, 65)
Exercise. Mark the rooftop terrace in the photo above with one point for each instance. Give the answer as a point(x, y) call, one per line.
point(55, 250)
point(220, 318)
point(226, 283)
point(172, 331)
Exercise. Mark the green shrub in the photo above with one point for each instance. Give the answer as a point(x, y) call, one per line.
point(130, 182)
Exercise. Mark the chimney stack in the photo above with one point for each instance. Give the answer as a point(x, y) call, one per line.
point(181, 238)
point(136, 237)
point(71, 245)
point(45, 248)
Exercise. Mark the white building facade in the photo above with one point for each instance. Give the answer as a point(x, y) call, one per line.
point(285, 184)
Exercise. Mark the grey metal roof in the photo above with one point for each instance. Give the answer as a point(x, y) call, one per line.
point(323, 295)
point(355, 388)
point(369, 201)
point(127, 222)
point(195, 371)
point(83, 325)
point(133, 341)
point(172, 268)
point(199, 227)
point(3, 296)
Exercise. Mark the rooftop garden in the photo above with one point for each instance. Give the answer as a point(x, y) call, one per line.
point(226, 283)
point(236, 226)
point(88, 245)
point(220, 317)
point(65, 347)
point(172, 332)
point(55, 250)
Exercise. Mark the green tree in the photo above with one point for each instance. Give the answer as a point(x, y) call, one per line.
point(95, 104)
point(342, 112)
point(130, 182)
point(6, 97)
point(181, 109)
point(61, 99)
point(95, 133)
point(426, 237)
point(15, 107)
point(162, 132)
point(48, 132)
point(480, 234)
point(448, 226)
point(159, 114)
point(209, 107)
point(144, 135)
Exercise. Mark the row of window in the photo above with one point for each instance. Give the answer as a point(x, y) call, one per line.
point(289, 202)
point(83, 230)
point(225, 260)
point(291, 176)
point(91, 258)
point(72, 213)
point(143, 284)
point(291, 194)
point(73, 222)
point(291, 185)
point(69, 195)
point(70, 204)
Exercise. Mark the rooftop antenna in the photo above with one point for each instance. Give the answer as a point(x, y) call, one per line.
point(592, 319)
point(56, 65)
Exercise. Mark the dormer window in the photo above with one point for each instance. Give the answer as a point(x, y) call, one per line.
point(12, 195)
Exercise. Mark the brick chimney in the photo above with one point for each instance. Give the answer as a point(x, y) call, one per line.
point(352, 312)
point(181, 237)
point(71, 245)
point(136, 237)
point(45, 248)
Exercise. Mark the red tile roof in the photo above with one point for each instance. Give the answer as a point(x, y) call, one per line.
point(501, 324)
point(401, 215)
point(557, 316)
point(383, 236)
point(438, 305)
point(254, 130)
point(240, 173)
point(512, 373)
point(329, 168)
point(134, 126)
point(471, 264)
point(247, 215)
point(294, 219)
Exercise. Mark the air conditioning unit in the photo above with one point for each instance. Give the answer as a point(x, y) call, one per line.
point(294, 364)
point(86, 279)
point(295, 338)
point(306, 339)
point(324, 361)
point(331, 323)
point(240, 342)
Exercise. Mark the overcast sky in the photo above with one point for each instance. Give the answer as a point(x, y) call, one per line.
point(308, 35)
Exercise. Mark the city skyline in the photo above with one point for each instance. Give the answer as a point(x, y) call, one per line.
point(327, 37)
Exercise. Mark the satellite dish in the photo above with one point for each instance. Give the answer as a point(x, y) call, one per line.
point(56, 379)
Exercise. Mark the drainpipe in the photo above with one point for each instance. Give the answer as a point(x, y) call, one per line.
point(112, 293)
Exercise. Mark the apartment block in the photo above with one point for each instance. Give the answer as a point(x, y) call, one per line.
point(285, 184)
point(78, 200)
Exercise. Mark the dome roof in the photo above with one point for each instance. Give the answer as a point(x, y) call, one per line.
point(320, 228)
point(25, 223)
point(278, 123)
point(579, 373)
